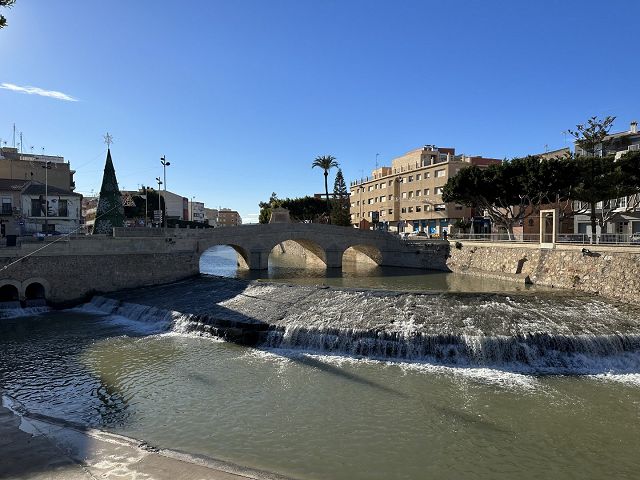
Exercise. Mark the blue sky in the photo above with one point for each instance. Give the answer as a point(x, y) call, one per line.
point(241, 96)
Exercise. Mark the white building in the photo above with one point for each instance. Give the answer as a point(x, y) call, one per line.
point(60, 211)
point(197, 212)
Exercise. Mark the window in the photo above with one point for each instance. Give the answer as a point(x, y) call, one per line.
point(6, 206)
point(63, 210)
point(390, 182)
point(410, 194)
point(391, 211)
point(370, 188)
point(458, 207)
point(377, 186)
point(440, 207)
point(36, 208)
point(410, 209)
point(403, 210)
point(426, 191)
point(418, 177)
point(410, 178)
point(427, 208)
point(390, 197)
point(382, 213)
point(383, 185)
point(370, 201)
point(404, 194)
point(440, 173)
point(438, 191)
point(418, 208)
point(418, 193)
point(427, 175)
point(401, 180)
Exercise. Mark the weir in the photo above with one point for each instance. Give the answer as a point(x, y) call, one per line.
point(529, 333)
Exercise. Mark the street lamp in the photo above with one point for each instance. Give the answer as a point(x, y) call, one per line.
point(165, 164)
point(160, 196)
point(47, 167)
point(146, 205)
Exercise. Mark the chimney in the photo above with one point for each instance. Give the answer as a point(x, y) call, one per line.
point(634, 127)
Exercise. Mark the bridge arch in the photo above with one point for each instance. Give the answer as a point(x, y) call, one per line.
point(9, 291)
point(35, 290)
point(363, 253)
point(241, 258)
point(312, 252)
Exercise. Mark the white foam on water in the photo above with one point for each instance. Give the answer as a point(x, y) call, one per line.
point(22, 312)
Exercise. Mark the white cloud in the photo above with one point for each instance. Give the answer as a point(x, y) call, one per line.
point(38, 91)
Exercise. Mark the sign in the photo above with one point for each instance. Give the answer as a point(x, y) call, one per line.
point(375, 217)
point(157, 216)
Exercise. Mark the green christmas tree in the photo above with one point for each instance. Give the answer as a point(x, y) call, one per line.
point(110, 212)
point(340, 211)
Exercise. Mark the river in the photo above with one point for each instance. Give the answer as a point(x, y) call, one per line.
point(562, 400)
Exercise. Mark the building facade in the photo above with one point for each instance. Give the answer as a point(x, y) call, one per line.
point(211, 216)
point(22, 166)
point(407, 196)
point(624, 213)
point(196, 212)
point(229, 218)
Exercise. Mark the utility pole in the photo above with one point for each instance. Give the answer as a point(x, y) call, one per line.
point(160, 197)
point(146, 206)
point(165, 164)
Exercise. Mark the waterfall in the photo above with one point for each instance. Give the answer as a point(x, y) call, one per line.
point(539, 334)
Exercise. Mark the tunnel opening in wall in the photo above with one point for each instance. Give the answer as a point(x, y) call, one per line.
point(224, 260)
point(9, 296)
point(35, 295)
point(297, 254)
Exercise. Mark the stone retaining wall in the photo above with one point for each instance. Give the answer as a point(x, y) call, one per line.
point(613, 272)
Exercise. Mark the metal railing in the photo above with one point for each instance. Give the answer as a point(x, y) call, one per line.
point(564, 238)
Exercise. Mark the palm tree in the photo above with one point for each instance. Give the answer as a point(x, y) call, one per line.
point(326, 162)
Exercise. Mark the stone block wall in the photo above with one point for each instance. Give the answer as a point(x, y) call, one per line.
point(613, 272)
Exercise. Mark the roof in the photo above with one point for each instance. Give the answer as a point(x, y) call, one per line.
point(36, 188)
point(13, 185)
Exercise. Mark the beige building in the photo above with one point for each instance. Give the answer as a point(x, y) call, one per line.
point(22, 166)
point(229, 218)
point(211, 216)
point(407, 196)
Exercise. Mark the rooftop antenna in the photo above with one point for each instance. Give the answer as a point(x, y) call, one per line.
point(14, 135)
point(546, 148)
point(20, 142)
point(377, 160)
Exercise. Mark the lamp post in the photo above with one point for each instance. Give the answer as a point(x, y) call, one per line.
point(146, 206)
point(47, 167)
point(165, 164)
point(160, 195)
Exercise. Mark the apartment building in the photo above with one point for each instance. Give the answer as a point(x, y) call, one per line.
point(211, 216)
point(196, 212)
point(229, 218)
point(407, 196)
point(15, 165)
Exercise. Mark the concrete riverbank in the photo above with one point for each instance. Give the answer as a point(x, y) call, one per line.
point(33, 447)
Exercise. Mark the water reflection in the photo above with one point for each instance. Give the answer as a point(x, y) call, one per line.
point(295, 269)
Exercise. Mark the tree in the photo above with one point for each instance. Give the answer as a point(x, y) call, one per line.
point(326, 163)
point(110, 212)
point(303, 209)
point(340, 211)
point(596, 172)
point(508, 192)
point(606, 187)
point(6, 4)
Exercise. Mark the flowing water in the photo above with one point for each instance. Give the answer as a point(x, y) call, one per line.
point(472, 379)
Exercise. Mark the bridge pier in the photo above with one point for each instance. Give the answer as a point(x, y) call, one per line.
point(259, 259)
point(334, 258)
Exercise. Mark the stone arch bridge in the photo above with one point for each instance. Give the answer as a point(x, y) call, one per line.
point(69, 269)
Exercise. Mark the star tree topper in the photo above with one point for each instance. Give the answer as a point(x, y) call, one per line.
point(108, 139)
